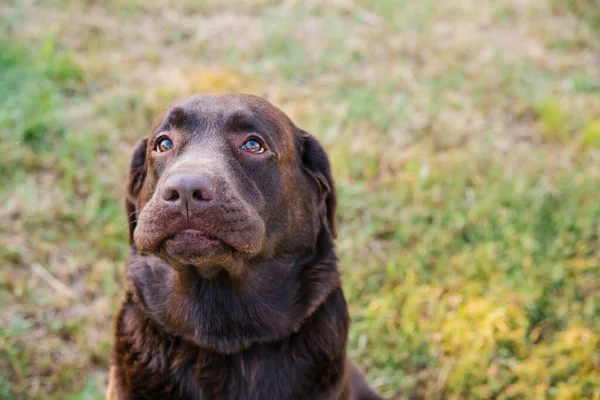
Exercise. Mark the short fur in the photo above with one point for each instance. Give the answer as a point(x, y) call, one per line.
point(240, 297)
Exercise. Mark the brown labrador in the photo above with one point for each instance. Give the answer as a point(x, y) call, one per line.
point(234, 288)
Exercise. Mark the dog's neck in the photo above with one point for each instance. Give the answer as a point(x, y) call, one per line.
point(225, 316)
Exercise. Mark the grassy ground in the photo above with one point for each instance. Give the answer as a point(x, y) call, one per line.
point(465, 139)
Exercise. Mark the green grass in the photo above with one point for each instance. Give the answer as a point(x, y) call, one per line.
point(465, 143)
point(50, 206)
point(587, 10)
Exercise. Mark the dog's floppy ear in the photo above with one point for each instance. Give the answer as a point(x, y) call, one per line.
point(316, 163)
point(137, 176)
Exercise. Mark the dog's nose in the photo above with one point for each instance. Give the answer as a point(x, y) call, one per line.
point(188, 192)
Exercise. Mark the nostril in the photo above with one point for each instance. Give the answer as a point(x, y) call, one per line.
point(170, 194)
point(202, 195)
point(187, 191)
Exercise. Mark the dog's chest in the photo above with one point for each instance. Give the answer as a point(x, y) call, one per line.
point(155, 365)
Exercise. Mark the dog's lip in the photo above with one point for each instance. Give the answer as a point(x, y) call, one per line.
point(191, 239)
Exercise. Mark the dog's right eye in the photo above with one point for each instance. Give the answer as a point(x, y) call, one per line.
point(164, 145)
point(253, 146)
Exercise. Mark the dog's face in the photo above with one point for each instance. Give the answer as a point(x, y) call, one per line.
point(225, 182)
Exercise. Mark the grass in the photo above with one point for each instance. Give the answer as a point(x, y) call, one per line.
point(464, 139)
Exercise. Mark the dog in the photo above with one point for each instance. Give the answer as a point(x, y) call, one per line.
point(234, 290)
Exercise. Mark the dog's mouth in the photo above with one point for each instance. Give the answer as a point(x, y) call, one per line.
point(212, 238)
point(192, 247)
point(191, 240)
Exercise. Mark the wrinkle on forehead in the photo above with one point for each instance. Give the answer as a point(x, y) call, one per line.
point(229, 100)
point(217, 111)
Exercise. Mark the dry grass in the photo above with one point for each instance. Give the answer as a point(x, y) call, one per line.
point(465, 141)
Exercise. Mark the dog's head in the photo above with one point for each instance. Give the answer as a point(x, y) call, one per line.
point(226, 181)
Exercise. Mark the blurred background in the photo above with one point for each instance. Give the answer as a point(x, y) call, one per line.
point(465, 141)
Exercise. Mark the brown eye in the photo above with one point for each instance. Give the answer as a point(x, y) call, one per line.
point(164, 145)
point(253, 146)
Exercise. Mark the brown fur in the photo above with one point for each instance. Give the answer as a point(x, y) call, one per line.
point(237, 295)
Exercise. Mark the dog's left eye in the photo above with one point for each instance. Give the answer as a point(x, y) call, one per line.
point(253, 146)
point(164, 145)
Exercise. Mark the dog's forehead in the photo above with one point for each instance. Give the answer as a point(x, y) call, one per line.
point(231, 112)
point(224, 102)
